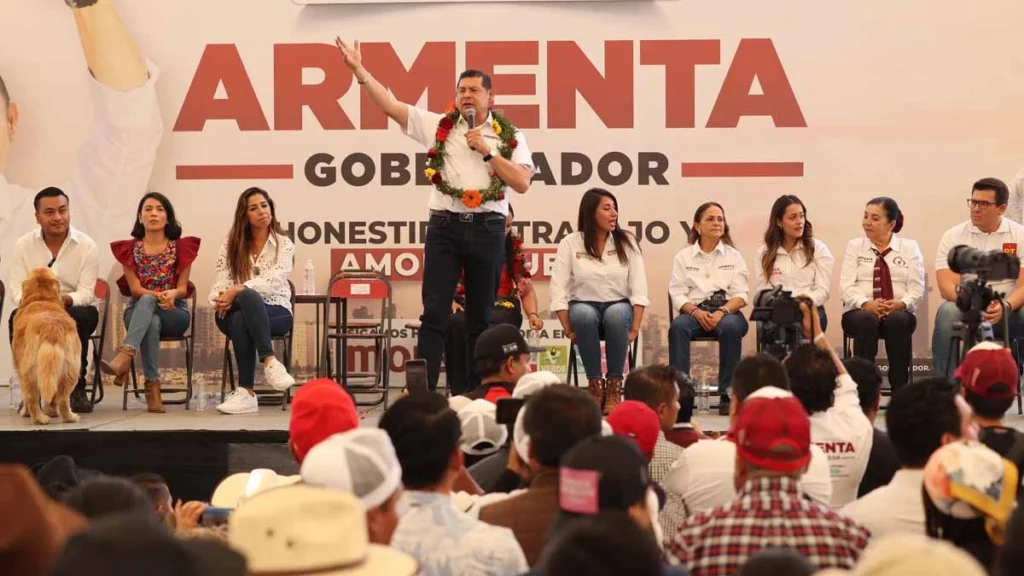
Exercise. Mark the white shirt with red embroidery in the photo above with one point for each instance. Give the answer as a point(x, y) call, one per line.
point(464, 167)
point(845, 435)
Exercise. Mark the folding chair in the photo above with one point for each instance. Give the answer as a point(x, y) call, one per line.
point(189, 342)
point(271, 397)
point(98, 338)
point(344, 286)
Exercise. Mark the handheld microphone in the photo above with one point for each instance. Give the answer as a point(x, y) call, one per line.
point(470, 114)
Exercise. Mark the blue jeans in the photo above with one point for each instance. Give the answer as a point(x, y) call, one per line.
point(591, 320)
point(730, 332)
point(473, 244)
point(147, 322)
point(249, 324)
point(947, 314)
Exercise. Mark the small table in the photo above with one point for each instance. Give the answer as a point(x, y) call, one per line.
point(318, 300)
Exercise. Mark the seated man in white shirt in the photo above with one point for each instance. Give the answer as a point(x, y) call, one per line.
point(987, 230)
point(73, 258)
point(920, 418)
point(703, 475)
point(425, 433)
point(838, 424)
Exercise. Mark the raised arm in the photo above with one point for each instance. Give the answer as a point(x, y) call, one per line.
point(381, 96)
point(116, 160)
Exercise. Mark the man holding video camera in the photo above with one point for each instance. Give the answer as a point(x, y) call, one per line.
point(987, 231)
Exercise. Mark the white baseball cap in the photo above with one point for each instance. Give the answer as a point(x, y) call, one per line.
point(361, 462)
point(481, 433)
point(533, 382)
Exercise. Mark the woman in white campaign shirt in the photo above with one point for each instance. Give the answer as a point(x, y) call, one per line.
point(599, 285)
point(791, 257)
point(707, 288)
point(881, 282)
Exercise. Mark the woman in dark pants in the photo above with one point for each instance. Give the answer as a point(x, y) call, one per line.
point(515, 296)
point(882, 281)
point(252, 298)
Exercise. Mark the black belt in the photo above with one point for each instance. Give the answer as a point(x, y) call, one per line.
point(465, 216)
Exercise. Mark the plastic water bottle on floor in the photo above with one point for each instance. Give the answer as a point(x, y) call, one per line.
point(703, 398)
point(200, 394)
point(15, 393)
point(309, 278)
point(533, 339)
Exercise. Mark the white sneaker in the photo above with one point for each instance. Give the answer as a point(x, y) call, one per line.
point(277, 376)
point(239, 402)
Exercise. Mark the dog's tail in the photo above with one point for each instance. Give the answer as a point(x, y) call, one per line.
point(49, 370)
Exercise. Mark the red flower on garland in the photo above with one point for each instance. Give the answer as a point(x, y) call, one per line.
point(512, 143)
point(446, 123)
point(501, 195)
point(436, 179)
point(441, 135)
point(449, 109)
point(432, 153)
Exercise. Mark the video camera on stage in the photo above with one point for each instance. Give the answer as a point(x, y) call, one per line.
point(781, 321)
point(974, 295)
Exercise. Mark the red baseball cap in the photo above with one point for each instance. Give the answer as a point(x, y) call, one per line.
point(321, 408)
point(636, 421)
point(986, 365)
point(764, 425)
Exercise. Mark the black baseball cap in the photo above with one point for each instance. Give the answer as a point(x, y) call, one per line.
point(500, 342)
point(602, 473)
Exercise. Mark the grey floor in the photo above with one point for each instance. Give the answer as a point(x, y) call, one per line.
point(108, 417)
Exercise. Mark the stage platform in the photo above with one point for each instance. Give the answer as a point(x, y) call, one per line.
point(192, 449)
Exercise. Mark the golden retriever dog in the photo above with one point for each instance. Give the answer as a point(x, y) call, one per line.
point(47, 352)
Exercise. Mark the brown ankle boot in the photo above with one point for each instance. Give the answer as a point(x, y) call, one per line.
point(612, 394)
point(596, 388)
point(119, 365)
point(154, 402)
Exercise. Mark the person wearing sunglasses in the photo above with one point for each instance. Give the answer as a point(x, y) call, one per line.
point(988, 229)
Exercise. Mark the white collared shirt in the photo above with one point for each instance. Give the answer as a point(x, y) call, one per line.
point(113, 167)
point(76, 266)
point(464, 167)
point(906, 267)
point(275, 268)
point(845, 435)
point(1007, 238)
point(793, 272)
point(580, 277)
point(696, 275)
point(895, 508)
point(703, 476)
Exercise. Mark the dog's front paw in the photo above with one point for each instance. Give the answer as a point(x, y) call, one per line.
point(51, 411)
point(72, 417)
point(23, 410)
point(42, 419)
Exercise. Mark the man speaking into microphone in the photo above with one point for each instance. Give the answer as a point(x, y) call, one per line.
point(475, 157)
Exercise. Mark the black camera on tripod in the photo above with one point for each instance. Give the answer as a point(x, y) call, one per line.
point(974, 294)
point(781, 321)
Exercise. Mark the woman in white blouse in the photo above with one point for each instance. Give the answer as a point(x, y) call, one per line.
point(599, 285)
point(251, 296)
point(882, 281)
point(707, 289)
point(791, 257)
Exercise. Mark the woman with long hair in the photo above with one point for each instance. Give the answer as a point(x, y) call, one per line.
point(599, 285)
point(251, 296)
point(515, 296)
point(707, 289)
point(792, 258)
point(881, 282)
point(156, 264)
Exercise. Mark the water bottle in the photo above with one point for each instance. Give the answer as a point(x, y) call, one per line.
point(309, 278)
point(200, 394)
point(15, 393)
point(533, 339)
point(703, 398)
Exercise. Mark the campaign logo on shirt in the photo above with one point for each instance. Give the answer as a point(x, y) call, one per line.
point(899, 261)
point(1010, 248)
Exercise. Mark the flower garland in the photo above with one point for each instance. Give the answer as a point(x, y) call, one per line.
point(436, 158)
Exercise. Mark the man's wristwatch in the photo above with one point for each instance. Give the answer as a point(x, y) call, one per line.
point(80, 3)
point(488, 157)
